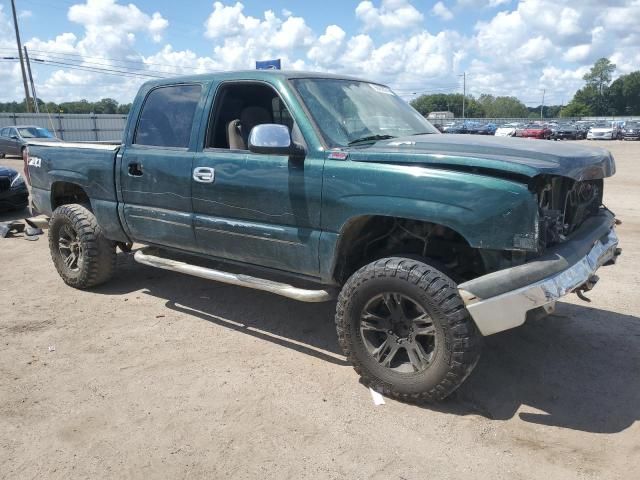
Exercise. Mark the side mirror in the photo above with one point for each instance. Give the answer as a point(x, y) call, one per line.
point(273, 139)
point(14, 137)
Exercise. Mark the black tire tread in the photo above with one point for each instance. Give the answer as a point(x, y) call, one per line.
point(99, 252)
point(466, 347)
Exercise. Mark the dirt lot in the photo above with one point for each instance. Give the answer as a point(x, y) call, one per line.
point(162, 375)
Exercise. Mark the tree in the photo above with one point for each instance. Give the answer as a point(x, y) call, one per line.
point(502, 107)
point(598, 80)
point(600, 75)
point(575, 109)
point(624, 95)
point(451, 102)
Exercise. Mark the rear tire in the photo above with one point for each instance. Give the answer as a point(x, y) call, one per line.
point(81, 253)
point(406, 331)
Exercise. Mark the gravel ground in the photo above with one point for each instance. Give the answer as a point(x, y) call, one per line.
point(160, 375)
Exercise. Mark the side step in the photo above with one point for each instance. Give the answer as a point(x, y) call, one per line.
point(278, 288)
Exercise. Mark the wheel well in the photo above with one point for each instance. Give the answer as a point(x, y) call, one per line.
point(63, 193)
point(369, 238)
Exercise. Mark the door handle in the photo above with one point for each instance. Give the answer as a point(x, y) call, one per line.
point(135, 169)
point(204, 174)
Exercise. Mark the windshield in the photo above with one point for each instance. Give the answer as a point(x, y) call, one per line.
point(35, 132)
point(602, 125)
point(632, 125)
point(349, 111)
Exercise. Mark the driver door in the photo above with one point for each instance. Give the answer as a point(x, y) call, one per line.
point(258, 209)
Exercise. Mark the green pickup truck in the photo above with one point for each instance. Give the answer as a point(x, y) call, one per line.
point(317, 187)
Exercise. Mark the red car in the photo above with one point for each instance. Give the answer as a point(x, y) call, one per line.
point(535, 131)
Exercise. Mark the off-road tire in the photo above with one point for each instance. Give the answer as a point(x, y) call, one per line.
point(97, 254)
point(459, 339)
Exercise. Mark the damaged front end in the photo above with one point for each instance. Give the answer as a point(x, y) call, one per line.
point(575, 237)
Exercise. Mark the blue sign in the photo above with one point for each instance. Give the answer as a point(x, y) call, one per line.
point(268, 65)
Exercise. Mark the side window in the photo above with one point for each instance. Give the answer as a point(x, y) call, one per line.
point(4, 132)
point(167, 116)
point(238, 107)
point(280, 113)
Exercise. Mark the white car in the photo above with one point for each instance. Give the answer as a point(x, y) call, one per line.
point(507, 130)
point(603, 131)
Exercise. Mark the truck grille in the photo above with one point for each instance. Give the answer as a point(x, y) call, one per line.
point(5, 184)
point(564, 205)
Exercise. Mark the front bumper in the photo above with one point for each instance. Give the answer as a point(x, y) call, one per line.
point(501, 300)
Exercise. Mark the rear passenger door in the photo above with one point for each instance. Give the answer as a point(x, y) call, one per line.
point(155, 167)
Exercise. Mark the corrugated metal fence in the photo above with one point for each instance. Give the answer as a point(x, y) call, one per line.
point(72, 127)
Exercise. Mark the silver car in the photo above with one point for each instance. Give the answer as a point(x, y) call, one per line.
point(13, 139)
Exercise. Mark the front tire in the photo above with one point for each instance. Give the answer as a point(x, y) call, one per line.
point(81, 253)
point(404, 328)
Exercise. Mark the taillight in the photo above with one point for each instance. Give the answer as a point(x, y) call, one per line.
point(25, 160)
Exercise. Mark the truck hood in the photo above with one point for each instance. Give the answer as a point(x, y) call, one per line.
point(501, 156)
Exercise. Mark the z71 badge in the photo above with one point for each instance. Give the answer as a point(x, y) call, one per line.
point(35, 161)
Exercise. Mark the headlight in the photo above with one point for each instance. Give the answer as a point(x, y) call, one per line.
point(17, 181)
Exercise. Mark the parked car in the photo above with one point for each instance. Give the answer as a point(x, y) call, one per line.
point(603, 131)
point(458, 127)
point(13, 190)
point(507, 130)
point(581, 130)
point(534, 130)
point(565, 131)
point(14, 139)
point(631, 131)
point(482, 129)
point(432, 240)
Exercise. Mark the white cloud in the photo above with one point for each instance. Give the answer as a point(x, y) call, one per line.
point(390, 15)
point(107, 15)
point(517, 49)
point(441, 10)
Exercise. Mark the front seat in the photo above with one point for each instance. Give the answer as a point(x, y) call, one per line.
point(238, 130)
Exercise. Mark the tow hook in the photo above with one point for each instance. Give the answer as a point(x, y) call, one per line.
point(586, 286)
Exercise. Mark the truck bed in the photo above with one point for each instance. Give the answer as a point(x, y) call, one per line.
point(90, 166)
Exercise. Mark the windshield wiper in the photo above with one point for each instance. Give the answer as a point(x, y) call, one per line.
point(370, 138)
point(421, 133)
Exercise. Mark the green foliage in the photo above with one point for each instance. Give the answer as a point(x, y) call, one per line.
point(576, 109)
point(599, 76)
point(106, 105)
point(624, 94)
point(448, 102)
point(502, 107)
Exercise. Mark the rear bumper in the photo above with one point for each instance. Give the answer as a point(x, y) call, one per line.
point(501, 300)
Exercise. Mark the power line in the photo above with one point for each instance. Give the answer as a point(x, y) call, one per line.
point(63, 56)
point(70, 66)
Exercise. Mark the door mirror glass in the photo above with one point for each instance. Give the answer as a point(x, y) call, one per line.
point(272, 139)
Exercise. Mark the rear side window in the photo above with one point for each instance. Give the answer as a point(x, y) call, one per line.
point(4, 132)
point(167, 116)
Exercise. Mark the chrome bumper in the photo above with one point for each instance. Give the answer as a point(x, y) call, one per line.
point(509, 309)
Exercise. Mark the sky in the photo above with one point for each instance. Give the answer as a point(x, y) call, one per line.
point(506, 47)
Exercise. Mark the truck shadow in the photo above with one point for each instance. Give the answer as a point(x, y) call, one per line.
point(580, 368)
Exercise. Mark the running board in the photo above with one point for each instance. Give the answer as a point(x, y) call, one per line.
point(278, 288)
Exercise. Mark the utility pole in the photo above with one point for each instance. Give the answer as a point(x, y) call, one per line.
point(33, 85)
point(24, 74)
point(542, 106)
point(464, 90)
